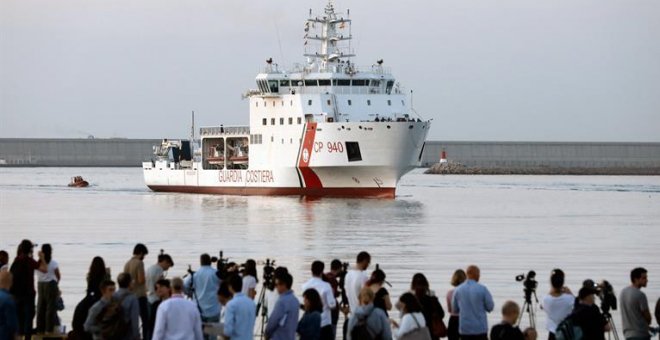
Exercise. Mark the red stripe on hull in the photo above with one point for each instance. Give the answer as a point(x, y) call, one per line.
point(312, 181)
point(264, 191)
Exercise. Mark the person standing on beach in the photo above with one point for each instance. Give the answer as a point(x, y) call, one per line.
point(8, 322)
point(22, 270)
point(178, 318)
point(202, 287)
point(635, 313)
point(135, 267)
point(155, 273)
point(452, 328)
point(327, 297)
point(283, 322)
point(92, 323)
point(240, 312)
point(47, 286)
point(558, 304)
point(356, 278)
point(129, 304)
point(472, 301)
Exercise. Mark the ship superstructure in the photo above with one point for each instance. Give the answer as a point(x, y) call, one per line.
point(323, 128)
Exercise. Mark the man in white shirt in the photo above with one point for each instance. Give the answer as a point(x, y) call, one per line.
point(327, 297)
point(153, 274)
point(355, 280)
point(178, 318)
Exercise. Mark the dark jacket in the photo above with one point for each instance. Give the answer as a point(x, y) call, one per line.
point(309, 327)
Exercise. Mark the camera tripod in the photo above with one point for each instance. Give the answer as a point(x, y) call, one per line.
point(262, 306)
point(612, 334)
point(528, 307)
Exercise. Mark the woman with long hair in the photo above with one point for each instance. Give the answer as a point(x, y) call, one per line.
point(97, 273)
point(412, 317)
point(558, 304)
point(431, 308)
point(250, 279)
point(47, 288)
point(457, 279)
point(309, 326)
point(382, 296)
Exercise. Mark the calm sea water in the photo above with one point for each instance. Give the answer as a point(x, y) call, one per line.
point(592, 227)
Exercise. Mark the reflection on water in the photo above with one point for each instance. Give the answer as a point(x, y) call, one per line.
point(596, 227)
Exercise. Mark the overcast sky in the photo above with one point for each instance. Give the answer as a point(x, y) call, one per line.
point(520, 70)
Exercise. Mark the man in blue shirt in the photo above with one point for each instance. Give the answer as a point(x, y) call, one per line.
point(202, 287)
point(240, 313)
point(472, 301)
point(283, 322)
point(8, 319)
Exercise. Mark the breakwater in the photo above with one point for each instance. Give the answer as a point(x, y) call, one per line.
point(547, 158)
point(476, 157)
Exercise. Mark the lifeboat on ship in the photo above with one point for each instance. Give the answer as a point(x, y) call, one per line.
point(78, 182)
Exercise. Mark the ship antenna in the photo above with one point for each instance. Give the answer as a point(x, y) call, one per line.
point(192, 134)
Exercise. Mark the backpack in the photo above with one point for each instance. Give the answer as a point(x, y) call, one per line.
point(112, 321)
point(361, 330)
point(568, 330)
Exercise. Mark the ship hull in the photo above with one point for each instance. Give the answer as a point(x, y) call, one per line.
point(323, 161)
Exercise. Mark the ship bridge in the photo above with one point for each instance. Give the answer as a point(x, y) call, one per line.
point(328, 84)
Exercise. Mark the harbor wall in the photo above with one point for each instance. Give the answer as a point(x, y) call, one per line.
point(75, 152)
point(545, 154)
point(131, 152)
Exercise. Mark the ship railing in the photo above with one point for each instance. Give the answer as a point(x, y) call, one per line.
point(224, 130)
point(343, 68)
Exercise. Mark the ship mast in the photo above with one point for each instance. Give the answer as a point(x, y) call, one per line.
point(331, 35)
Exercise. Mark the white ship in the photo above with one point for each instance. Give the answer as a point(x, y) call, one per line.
point(323, 128)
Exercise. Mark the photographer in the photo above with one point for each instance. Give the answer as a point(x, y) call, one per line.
point(588, 316)
point(635, 313)
point(558, 304)
point(202, 287)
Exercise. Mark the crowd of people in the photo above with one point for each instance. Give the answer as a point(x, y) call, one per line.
point(209, 304)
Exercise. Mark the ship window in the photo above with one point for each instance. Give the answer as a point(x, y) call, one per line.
point(272, 121)
point(403, 103)
point(282, 103)
point(324, 82)
point(329, 102)
point(273, 86)
point(264, 121)
point(281, 121)
point(389, 102)
point(390, 83)
point(309, 102)
point(344, 82)
point(335, 82)
point(256, 104)
point(285, 83)
point(311, 82)
point(375, 83)
point(290, 120)
point(353, 151)
point(360, 82)
point(265, 103)
point(369, 102)
point(299, 120)
point(350, 102)
point(291, 103)
point(273, 103)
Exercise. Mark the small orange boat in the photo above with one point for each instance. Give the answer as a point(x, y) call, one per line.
point(78, 182)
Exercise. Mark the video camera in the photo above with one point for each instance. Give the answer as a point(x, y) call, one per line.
point(529, 282)
point(221, 266)
point(606, 295)
point(268, 276)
